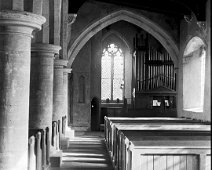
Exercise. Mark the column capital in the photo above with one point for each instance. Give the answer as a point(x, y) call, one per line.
point(45, 48)
point(71, 18)
point(60, 63)
point(67, 70)
point(21, 18)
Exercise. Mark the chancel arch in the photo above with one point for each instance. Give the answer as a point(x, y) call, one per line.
point(152, 28)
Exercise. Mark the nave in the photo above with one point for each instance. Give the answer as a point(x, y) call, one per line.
point(64, 70)
point(87, 151)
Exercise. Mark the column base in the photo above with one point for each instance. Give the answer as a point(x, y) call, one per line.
point(64, 143)
point(56, 159)
point(70, 133)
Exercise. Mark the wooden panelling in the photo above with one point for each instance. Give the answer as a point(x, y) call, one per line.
point(168, 162)
point(208, 162)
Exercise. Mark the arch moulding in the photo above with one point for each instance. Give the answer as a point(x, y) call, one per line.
point(149, 26)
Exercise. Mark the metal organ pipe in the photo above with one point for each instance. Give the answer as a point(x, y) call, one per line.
point(151, 69)
point(169, 75)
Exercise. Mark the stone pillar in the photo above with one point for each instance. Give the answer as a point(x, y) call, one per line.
point(15, 46)
point(58, 94)
point(66, 71)
point(41, 85)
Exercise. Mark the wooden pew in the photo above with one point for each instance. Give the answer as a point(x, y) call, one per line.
point(109, 121)
point(138, 123)
point(31, 154)
point(112, 131)
point(38, 149)
point(154, 126)
point(158, 149)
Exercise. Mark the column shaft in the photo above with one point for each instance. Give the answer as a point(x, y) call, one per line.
point(15, 32)
point(41, 85)
point(58, 96)
point(66, 93)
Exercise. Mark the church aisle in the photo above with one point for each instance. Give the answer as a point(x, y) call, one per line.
point(87, 151)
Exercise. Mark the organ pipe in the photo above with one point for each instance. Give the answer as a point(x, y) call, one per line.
point(153, 68)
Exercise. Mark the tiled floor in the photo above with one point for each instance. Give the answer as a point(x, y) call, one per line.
point(86, 152)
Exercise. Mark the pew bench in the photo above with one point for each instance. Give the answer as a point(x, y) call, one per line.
point(39, 149)
point(154, 127)
point(111, 121)
point(154, 124)
point(138, 134)
point(165, 153)
point(113, 125)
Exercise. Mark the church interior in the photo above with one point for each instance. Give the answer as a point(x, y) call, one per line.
point(129, 78)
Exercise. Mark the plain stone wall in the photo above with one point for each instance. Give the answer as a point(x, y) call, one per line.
point(189, 30)
point(81, 111)
point(96, 51)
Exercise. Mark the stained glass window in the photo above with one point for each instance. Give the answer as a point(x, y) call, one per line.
point(112, 75)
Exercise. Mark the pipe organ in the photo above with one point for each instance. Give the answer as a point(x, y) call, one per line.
point(153, 68)
point(154, 76)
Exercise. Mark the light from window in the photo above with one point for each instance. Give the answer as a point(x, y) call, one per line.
point(112, 75)
point(194, 75)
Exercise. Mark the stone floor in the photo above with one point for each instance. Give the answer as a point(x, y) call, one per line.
point(87, 151)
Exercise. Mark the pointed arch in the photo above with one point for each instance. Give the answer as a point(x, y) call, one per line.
point(149, 26)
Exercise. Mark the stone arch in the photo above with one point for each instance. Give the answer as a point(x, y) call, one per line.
point(149, 26)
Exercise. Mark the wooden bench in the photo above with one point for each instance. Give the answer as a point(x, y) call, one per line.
point(109, 123)
point(136, 123)
point(109, 120)
point(159, 150)
point(176, 129)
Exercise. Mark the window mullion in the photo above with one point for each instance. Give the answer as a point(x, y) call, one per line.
point(112, 75)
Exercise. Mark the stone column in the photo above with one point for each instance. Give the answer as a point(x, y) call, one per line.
point(15, 46)
point(66, 71)
point(41, 85)
point(58, 94)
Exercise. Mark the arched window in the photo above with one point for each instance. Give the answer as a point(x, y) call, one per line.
point(112, 74)
point(194, 75)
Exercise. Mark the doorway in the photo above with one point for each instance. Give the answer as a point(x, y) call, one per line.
point(95, 114)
